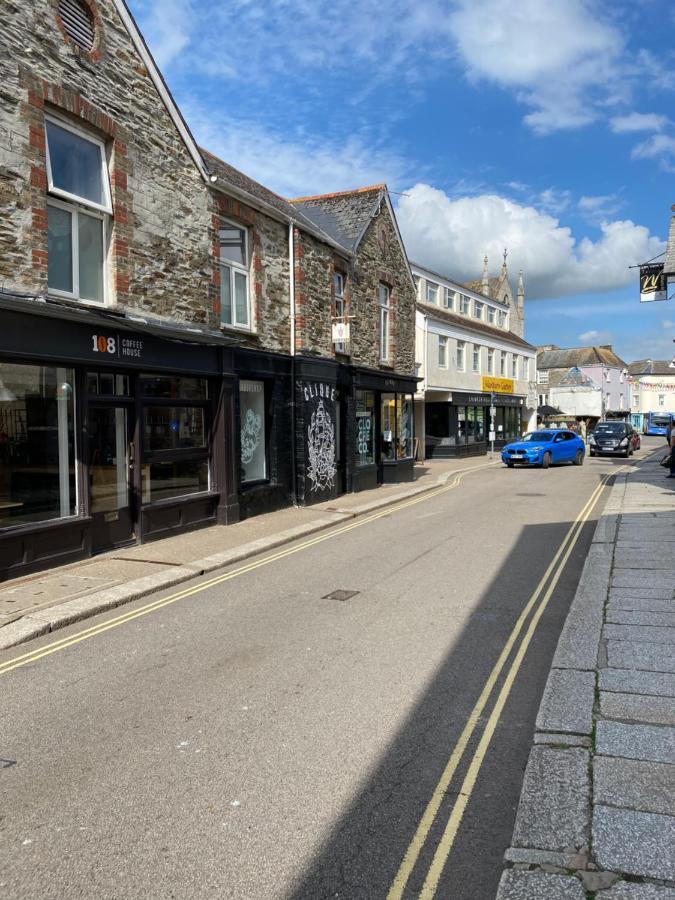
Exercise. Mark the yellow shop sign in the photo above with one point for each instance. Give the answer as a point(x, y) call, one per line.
point(496, 385)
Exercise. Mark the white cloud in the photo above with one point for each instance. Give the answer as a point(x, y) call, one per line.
point(596, 337)
point(553, 201)
point(560, 57)
point(667, 324)
point(293, 164)
point(660, 147)
point(598, 208)
point(636, 121)
point(170, 26)
point(452, 236)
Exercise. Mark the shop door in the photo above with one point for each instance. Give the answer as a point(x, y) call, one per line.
point(110, 465)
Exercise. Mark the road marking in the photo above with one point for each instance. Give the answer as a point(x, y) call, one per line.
point(429, 816)
point(101, 628)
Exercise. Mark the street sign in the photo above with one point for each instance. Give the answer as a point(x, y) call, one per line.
point(493, 411)
point(492, 436)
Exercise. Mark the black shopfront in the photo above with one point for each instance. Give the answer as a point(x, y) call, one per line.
point(461, 427)
point(112, 431)
point(353, 429)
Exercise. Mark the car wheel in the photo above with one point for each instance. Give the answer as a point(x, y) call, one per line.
point(546, 460)
point(579, 458)
point(592, 452)
point(510, 465)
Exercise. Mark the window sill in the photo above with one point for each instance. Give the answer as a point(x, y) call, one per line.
point(43, 524)
point(239, 330)
point(55, 297)
point(181, 498)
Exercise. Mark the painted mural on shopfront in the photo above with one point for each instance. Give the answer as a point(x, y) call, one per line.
point(320, 449)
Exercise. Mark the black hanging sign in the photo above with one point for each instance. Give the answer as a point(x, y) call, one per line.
point(653, 283)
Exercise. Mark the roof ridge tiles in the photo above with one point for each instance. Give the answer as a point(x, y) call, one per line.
point(329, 196)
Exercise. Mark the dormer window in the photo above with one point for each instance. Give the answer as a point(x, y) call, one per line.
point(464, 304)
point(432, 292)
point(234, 292)
point(78, 213)
point(491, 314)
point(477, 309)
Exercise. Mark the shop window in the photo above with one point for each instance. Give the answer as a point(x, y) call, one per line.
point(461, 424)
point(175, 430)
point(234, 287)
point(404, 415)
point(365, 427)
point(37, 444)
point(384, 300)
point(108, 384)
point(388, 426)
point(78, 213)
point(253, 436)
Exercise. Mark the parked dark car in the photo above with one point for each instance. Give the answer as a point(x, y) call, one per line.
point(613, 438)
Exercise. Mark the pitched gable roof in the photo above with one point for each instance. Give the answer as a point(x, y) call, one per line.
point(579, 356)
point(650, 367)
point(344, 215)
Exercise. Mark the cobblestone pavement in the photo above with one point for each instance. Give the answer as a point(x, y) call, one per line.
point(596, 816)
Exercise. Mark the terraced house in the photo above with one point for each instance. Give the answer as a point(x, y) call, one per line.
point(472, 358)
point(161, 313)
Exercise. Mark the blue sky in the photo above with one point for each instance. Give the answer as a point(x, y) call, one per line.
point(543, 126)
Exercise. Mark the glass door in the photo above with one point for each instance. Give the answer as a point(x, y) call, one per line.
point(110, 464)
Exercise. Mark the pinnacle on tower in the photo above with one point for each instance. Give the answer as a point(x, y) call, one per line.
point(486, 280)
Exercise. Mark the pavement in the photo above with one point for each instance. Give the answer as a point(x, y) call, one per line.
point(596, 816)
point(38, 604)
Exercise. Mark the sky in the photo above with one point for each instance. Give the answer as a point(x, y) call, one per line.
point(544, 127)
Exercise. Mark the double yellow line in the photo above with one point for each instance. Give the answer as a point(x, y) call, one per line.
point(542, 593)
point(148, 608)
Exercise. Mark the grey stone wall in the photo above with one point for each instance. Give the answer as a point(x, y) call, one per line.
point(379, 259)
point(159, 256)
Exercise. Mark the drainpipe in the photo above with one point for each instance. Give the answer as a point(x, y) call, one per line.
point(291, 265)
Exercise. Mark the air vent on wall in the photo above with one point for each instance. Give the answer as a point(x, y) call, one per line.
point(78, 22)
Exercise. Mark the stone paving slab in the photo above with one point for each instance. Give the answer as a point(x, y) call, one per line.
point(644, 604)
point(641, 617)
point(606, 529)
point(635, 784)
point(558, 739)
point(553, 811)
point(647, 742)
point(515, 885)
point(642, 633)
point(655, 561)
point(567, 703)
point(644, 592)
point(661, 684)
point(638, 708)
point(635, 843)
point(634, 578)
point(634, 655)
point(626, 890)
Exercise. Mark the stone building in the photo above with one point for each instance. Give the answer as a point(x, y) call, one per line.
point(367, 370)
point(498, 288)
point(148, 322)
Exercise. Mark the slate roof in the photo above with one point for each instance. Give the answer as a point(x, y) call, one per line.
point(494, 288)
point(577, 378)
point(228, 176)
point(444, 315)
point(344, 215)
point(579, 356)
point(650, 367)
point(669, 265)
point(458, 284)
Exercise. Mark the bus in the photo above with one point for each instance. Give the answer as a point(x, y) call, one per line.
point(656, 422)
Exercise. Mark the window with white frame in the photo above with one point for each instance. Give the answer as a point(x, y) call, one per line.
point(477, 309)
point(662, 399)
point(502, 362)
point(475, 358)
point(384, 298)
point(78, 213)
point(416, 279)
point(449, 299)
point(491, 361)
point(442, 352)
point(464, 304)
point(491, 315)
point(432, 292)
point(234, 290)
point(542, 376)
point(543, 399)
point(514, 366)
point(339, 305)
point(461, 347)
point(502, 319)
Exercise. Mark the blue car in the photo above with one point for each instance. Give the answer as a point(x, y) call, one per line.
point(542, 448)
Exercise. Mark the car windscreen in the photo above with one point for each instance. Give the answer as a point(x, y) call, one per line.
point(610, 428)
point(541, 436)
